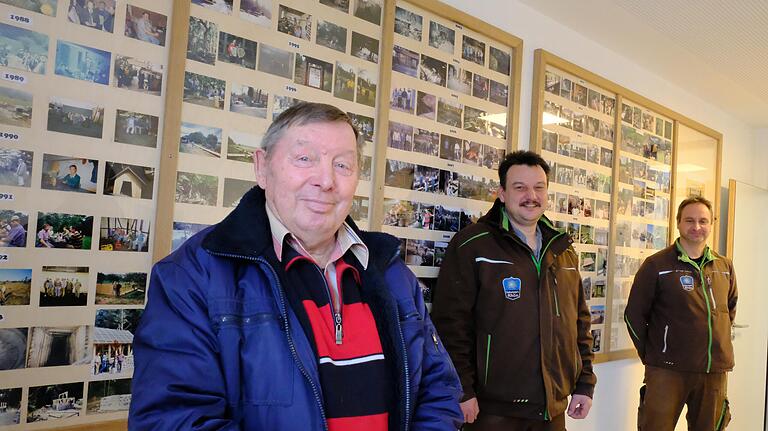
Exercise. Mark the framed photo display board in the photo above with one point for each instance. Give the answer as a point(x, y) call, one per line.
point(82, 105)
point(612, 154)
point(451, 110)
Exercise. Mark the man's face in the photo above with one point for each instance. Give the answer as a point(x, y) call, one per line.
point(72, 170)
point(310, 178)
point(695, 223)
point(525, 194)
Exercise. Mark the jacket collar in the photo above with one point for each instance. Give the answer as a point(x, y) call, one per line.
point(497, 218)
point(245, 233)
point(683, 256)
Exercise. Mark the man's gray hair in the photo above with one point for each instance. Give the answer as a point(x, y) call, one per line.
point(307, 113)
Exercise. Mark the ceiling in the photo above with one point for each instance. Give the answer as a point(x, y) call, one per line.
point(716, 49)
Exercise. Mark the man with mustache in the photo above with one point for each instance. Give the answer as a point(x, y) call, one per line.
point(285, 316)
point(511, 310)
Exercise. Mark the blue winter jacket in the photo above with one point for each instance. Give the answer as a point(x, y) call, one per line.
point(220, 348)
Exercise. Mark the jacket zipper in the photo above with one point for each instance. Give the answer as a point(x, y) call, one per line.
point(711, 293)
point(284, 315)
point(666, 330)
point(405, 373)
point(537, 263)
point(700, 269)
point(335, 308)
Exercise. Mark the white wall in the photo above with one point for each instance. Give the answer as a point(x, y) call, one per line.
point(615, 404)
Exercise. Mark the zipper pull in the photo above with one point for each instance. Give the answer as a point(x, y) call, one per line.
point(712, 294)
point(339, 329)
point(434, 340)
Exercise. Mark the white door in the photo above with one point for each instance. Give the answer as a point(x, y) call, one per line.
point(747, 246)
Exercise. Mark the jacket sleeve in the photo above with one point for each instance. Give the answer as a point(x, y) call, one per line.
point(733, 296)
point(639, 304)
point(585, 384)
point(453, 302)
point(177, 383)
point(437, 406)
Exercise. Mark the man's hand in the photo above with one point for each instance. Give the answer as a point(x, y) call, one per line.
point(579, 406)
point(470, 409)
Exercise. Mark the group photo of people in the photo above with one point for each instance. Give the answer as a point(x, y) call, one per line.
point(59, 230)
point(124, 234)
point(64, 286)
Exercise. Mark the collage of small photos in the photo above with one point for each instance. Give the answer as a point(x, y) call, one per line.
point(578, 134)
point(80, 111)
point(248, 61)
point(447, 132)
point(643, 206)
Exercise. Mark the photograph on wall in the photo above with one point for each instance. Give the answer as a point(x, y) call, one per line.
point(400, 136)
point(234, 189)
point(65, 231)
point(341, 5)
point(53, 402)
point(313, 73)
point(499, 60)
point(75, 118)
point(13, 344)
point(63, 286)
point(403, 99)
point(183, 231)
point(248, 101)
point(15, 286)
point(369, 10)
point(426, 142)
point(121, 179)
point(331, 35)
point(241, 146)
point(82, 62)
point(367, 82)
point(25, 50)
point(459, 79)
point(113, 342)
point(480, 86)
point(45, 7)
point(399, 174)
point(135, 128)
point(200, 140)
point(113, 288)
point(294, 22)
point(10, 399)
point(449, 112)
point(432, 70)
point(473, 50)
point(197, 189)
point(223, 6)
point(69, 174)
point(204, 90)
point(408, 24)
point(15, 108)
point(138, 75)
point(237, 50)
point(359, 210)
point(124, 234)
point(364, 47)
point(57, 346)
point(281, 103)
point(257, 11)
point(99, 15)
point(365, 125)
point(109, 396)
point(275, 61)
point(201, 40)
point(145, 25)
point(13, 228)
point(344, 81)
point(499, 93)
point(405, 61)
point(442, 37)
point(419, 252)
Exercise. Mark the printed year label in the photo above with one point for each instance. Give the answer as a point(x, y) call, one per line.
point(4, 258)
point(294, 45)
point(7, 197)
point(291, 89)
point(9, 136)
point(20, 19)
point(14, 77)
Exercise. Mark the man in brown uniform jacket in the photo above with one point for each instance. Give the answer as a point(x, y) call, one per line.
point(511, 311)
point(679, 315)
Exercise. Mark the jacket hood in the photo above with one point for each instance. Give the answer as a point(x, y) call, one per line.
point(246, 233)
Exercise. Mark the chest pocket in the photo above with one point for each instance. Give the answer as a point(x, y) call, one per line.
point(256, 359)
point(720, 281)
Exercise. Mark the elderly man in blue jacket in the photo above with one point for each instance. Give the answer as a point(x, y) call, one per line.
point(285, 316)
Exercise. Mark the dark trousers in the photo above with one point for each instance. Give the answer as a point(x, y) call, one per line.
point(486, 422)
point(667, 391)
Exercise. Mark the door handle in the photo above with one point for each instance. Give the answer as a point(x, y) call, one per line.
point(734, 327)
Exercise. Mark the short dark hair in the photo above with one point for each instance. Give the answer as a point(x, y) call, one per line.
point(694, 200)
point(521, 157)
point(73, 166)
point(304, 113)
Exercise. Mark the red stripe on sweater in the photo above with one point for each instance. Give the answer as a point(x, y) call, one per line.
point(361, 337)
point(359, 423)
